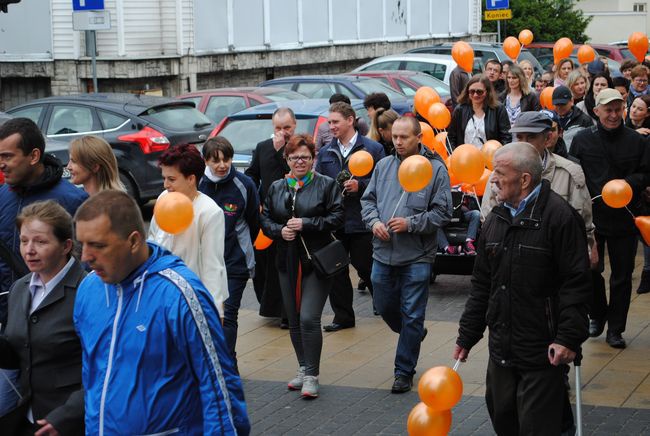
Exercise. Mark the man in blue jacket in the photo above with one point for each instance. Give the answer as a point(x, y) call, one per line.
point(154, 357)
point(333, 162)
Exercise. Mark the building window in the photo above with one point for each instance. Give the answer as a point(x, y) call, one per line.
point(640, 7)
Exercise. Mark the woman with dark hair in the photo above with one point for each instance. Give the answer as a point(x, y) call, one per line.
point(638, 117)
point(479, 116)
point(201, 245)
point(300, 213)
point(518, 97)
point(380, 128)
point(40, 338)
point(236, 194)
point(599, 82)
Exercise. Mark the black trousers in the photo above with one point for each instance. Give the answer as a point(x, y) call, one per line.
point(526, 403)
point(622, 253)
point(267, 285)
point(359, 246)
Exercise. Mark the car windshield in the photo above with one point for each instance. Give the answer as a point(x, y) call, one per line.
point(369, 86)
point(245, 134)
point(176, 117)
point(284, 96)
point(426, 80)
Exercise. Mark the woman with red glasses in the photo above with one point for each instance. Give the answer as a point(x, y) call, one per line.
point(479, 116)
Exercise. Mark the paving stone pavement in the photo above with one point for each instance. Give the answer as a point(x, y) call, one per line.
point(348, 411)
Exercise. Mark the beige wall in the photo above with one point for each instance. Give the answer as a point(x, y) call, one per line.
point(607, 28)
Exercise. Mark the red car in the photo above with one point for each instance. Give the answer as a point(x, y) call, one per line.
point(407, 82)
point(217, 104)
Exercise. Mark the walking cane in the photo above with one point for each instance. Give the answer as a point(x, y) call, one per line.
point(576, 364)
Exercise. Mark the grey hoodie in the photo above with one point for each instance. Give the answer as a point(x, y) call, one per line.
point(426, 211)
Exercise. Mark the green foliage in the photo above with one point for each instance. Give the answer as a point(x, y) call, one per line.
point(549, 20)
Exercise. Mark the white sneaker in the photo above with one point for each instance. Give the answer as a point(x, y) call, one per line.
point(310, 386)
point(296, 383)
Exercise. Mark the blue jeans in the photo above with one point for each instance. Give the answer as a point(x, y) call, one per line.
point(8, 396)
point(400, 296)
point(236, 286)
point(473, 218)
point(646, 257)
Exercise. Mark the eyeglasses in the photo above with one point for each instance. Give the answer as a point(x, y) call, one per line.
point(297, 158)
point(477, 92)
point(638, 80)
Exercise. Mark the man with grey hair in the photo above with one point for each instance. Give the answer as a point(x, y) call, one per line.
point(530, 287)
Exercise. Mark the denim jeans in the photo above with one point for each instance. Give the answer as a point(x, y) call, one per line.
point(8, 396)
point(473, 217)
point(236, 286)
point(400, 297)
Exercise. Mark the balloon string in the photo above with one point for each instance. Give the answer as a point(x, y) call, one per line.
point(633, 217)
point(457, 364)
point(479, 203)
point(596, 198)
point(448, 143)
point(397, 205)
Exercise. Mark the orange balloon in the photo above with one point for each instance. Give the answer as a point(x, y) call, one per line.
point(512, 47)
point(586, 54)
point(489, 148)
point(173, 212)
point(637, 43)
point(424, 98)
point(467, 163)
point(428, 137)
point(453, 180)
point(415, 173)
point(440, 388)
point(617, 193)
point(438, 116)
point(478, 187)
point(643, 224)
point(423, 421)
point(360, 163)
point(440, 145)
point(262, 242)
point(562, 49)
point(546, 98)
point(525, 37)
point(463, 55)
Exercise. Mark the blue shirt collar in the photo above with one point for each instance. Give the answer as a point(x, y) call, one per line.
point(522, 205)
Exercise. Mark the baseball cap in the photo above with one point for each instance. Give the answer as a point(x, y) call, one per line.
point(596, 66)
point(531, 122)
point(608, 95)
point(562, 95)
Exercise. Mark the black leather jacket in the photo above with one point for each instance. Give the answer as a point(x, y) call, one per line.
point(319, 204)
point(497, 124)
point(531, 283)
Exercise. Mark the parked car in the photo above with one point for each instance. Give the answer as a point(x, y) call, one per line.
point(438, 66)
point(353, 87)
point(57, 148)
point(482, 52)
point(547, 62)
point(247, 128)
point(408, 82)
point(615, 52)
point(138, 127)
point(217, 104)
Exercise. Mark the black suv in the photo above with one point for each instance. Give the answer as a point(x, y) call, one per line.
point(138, 127)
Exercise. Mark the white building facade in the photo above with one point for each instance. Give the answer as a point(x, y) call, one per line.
point(614, 20)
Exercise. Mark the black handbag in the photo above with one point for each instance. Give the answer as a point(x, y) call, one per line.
point(329, 260)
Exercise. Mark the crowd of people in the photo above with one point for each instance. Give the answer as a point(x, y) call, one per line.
point(112, 328)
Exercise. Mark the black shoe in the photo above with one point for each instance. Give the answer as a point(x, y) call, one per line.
point(374, 311)
point(362, 285)
point(424, 334)
point(595, 328)
point(335, 327)
point(402, 384)
point(644, 286)
point(284, 324)
point(615, 340)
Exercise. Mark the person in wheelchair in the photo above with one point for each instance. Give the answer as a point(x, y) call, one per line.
point(459, 235)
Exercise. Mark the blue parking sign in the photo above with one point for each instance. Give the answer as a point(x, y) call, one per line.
point(491, 5)
point(87, 5)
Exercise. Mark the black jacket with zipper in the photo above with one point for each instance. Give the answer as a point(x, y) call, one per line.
point(531, 283)
point(497, 124)
point(319, 204)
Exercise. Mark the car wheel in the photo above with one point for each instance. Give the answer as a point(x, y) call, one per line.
point(130, 187)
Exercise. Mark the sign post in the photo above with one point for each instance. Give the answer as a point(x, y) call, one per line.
point(497, 10)
point(90, 16)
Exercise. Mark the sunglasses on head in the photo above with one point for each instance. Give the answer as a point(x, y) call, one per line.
point(477, 92)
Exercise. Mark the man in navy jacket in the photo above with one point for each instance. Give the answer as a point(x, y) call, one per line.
point(333, 162)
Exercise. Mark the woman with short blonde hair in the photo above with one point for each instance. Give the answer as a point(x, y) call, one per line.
point(93, 165)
